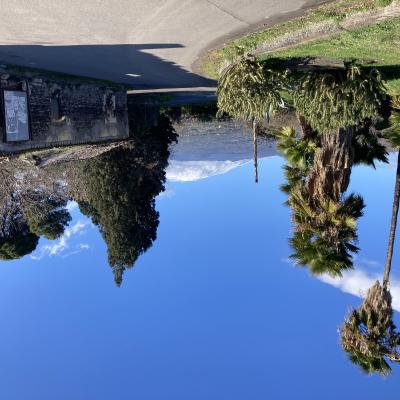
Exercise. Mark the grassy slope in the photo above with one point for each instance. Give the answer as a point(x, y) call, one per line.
point(335, 11)
point(377, 45)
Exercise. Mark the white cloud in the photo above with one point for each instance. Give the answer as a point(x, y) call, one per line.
point(186, 171)
point(357, 282)
point(71, 206)
point(56, 248)
point(73, 230)
point(63, 243)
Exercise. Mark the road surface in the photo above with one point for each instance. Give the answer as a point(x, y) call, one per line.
point(143, 43)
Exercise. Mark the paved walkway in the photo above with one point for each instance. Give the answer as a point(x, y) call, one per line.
point(144, 43)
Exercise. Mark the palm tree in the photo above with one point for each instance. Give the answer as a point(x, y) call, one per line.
point(393, 225)
point(249, 91)
point(324, 221)
point(368, 334)
point(395, 121)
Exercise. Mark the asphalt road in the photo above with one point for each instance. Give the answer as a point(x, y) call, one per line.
point(144, 43)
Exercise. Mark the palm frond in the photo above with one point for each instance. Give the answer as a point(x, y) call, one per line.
point(249, 91)
point(330, 101)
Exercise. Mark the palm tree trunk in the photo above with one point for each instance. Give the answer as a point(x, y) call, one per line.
point(255, 155)
point(331, 172)
point(393, 224)
point(307, 132)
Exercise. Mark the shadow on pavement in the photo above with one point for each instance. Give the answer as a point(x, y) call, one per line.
point(124, 63)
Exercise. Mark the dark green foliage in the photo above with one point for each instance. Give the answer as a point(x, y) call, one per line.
point(334, 100)
point(121, 186)
point(393, 133)
point(325, 232)
point(294, 177)
point(18, 243)
point(196, 112)
point(299, 153)
point(367, 148)
point(89, 211)
point(28, 215)
point(319, 255)
point(384, 3)
point(46, 215)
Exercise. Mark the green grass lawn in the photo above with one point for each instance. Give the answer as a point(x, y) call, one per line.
point(335, 11)
point(377, 46)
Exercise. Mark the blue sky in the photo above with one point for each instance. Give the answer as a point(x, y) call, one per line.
point(212, 311)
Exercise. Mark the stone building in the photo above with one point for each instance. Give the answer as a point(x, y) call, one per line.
point(39, 111)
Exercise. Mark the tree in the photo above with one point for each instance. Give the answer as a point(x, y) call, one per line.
point(367, 148)
point(324, 220)
point(45, 213)
point(393, 133)
point(18, 246)
point(368, 334)
point(325, 232)
point(332, 100)
point(249, 91)
point(395, 120)
point(16, 240)
point(120, 188)
point(30, 206)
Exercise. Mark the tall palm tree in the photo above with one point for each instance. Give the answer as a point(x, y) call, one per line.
point(393, 225)
point(368, 334)
point(394, 135)
point(324, 221)
point(249, 91)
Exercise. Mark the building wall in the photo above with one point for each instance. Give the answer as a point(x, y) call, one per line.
point(65, 112)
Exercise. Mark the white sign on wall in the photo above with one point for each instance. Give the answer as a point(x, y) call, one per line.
point(16, 115)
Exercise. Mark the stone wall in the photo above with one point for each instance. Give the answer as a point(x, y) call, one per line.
point(66, 111)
